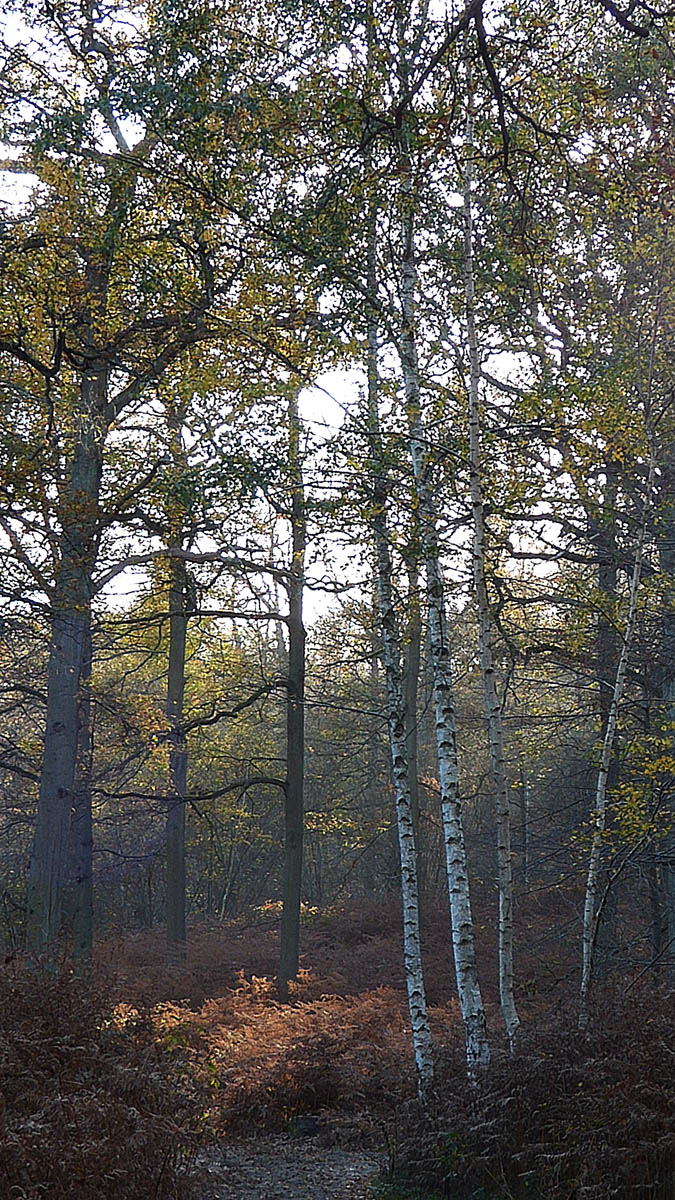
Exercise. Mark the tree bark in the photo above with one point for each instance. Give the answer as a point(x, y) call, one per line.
point(666, 547)
point(178, 763)
point(468, 987)
point(485, 630)
point(396, 714)
point(294, 815)
point(411, 675)
point(71, 601)
point(602, 530)
point(80, 902)
point(524, 827)
point(591, 915)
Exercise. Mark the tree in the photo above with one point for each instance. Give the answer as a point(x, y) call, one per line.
point(65, 270)
point(485, 624)
point(396, 711)
point(295, 710)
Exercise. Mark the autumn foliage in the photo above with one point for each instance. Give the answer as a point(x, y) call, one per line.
point(569, 1116)
point(91, 1104)
point(109, 1089)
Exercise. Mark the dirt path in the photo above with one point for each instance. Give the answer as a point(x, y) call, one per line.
point(282, 1168)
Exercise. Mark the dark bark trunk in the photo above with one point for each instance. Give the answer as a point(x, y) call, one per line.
point(80, 900)
point(659, 918)
point(666, 540)
point(603, 537)
point(524, 828)
point(47, 873)
point(294, 816)
point(178, 762)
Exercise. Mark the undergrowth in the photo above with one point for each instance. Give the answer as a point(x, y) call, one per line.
point(91, 1104)
point(570, 1117)
point(108, 1089)
point(266, 1063)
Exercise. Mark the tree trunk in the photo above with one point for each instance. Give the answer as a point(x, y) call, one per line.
point(411, 675)
point(294, 816)
point(178, 763)
point(477, 1049)
point(666, 541)
point(591, 914)
point(80, 898)
point(178, 519)
point(47, 872)
point(659, 923)
point(602, 530)
point(524, 827)
point(396, 716)
point(485, 632)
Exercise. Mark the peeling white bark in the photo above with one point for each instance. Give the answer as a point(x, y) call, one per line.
point(468, 987)
point(419, 1022)
point(485, 625)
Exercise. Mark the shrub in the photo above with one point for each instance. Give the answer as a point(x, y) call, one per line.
point(92, 1106)
point(266, 1063)
point(570, 1117)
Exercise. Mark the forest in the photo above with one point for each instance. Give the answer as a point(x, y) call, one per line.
point(337, 541)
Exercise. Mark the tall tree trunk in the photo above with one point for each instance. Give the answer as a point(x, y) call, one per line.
point(602, 531)
point(178, 523)
point(294, 815)
point(71, 600)
point(471, 1003)
point(411, 675)
point(666, 541)
point(178, 763)
point(396, 713)
point(659, 930)
point(485, 631)
point(591, 914)
point(81, 898)
point(524, 826)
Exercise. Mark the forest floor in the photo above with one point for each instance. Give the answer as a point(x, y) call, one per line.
point(217, 1091)
point(340, 1051)
point(282, 1168)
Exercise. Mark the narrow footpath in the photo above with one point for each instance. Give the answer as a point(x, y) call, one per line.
point(283, 1168)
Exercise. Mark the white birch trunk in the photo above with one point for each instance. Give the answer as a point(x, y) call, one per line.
point(591, 912)
point(468, 988)
point(419, 1023)
point(485, 632)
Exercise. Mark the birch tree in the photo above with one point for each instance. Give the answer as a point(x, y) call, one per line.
point(468, 987)
point(396, 711)
point(485, 625)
